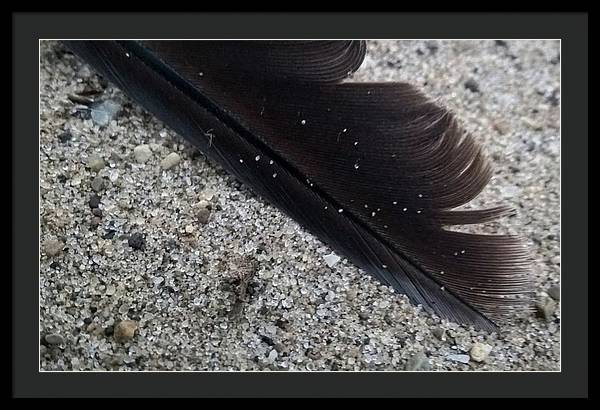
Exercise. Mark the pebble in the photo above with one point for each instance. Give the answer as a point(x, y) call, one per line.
point(170, 161)
point(97, 184)
point(125, 330)
point(53, 247)
point(94, 201)
point(65, 136)
point(331, 259)
point(97, 212)
point(480, 351)
point(531, 123)
point(203, 212)
point(104, 112)
point(438, 332)
point(472, 85)
point(501, 127)
point(95, 163)
point(461, 358)
point(554, 292)
point(272, 355)
point(142, 153)
point(136, 241)
point(54, 339)
point(418, 361)
point(190, 228)
point(545, 308)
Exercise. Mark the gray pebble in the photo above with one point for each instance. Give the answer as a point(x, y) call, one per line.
point(438, 332)
point(95, 163)
point(170, 161)
point(545, 308)
point(418, 361)
point(97, 184)
point(472, 86)
point(136, 241)
point(461, 358)
point(94, 201)
point(480, 351)
point(203, 214)
point(331, 259)
point(142, 153)
point(54, 339)
point(53, 247)
point(104, 112)
point(554, 292)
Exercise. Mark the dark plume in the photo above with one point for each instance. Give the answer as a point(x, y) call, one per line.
point(375, 170)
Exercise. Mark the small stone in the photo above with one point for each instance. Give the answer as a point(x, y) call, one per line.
point(272, 355)
point(472, 85)
point(97, 212)
point(170, 161)
point(142, 153)
point(545, 308)
point(97, 184)
point(103, 112)
point(95, 163)
point(125, 330)
point(54, 339)
point(438, 332)
point(110, 290)
point(531, 123)
point(554, 292)
point(109, 331)
point(203, 212)
point(501, 43)
point(480, 351)
point(190, 229)
point(137, 241)
point(65, 136)
point(461, 358)
point(331, 259)
point(43, 350)
point(501, 127)
point(418, 361)
point(53, 247)
point(94, 201)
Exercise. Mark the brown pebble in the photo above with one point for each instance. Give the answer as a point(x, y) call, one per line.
point(203, 215)
point(53, 247)
point(125, 330)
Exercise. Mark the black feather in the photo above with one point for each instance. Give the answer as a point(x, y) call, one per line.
point(373, 169)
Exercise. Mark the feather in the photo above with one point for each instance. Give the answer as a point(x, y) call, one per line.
point(375, 170)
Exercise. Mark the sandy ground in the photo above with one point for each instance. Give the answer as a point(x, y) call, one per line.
point(224, 281)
